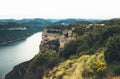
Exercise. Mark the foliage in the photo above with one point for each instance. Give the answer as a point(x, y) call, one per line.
point(42, 63)
point(98, 66)
point(91, 51)
point(18, 71)
point(83, 57)
point(112, 53)
point(68, 49)
point(116, 70)
point(54, 45)
point(84, 47)
point(79, 31)
point(77, 68)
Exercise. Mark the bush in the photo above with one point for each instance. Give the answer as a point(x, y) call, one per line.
point(48, 59)
point(69, 49)
point(83, 48)
point(98, 68)
point(112, 53)
point(53, 44)
point(116, 70)
point(79, 31)
point(91, 51)
point(42, 63)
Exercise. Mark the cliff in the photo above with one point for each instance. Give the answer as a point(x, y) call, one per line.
point(78, 51)
point(54, 36)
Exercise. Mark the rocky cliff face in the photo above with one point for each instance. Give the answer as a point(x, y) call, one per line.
point(55, 36)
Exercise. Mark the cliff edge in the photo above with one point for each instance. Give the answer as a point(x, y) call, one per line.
point(77, 51)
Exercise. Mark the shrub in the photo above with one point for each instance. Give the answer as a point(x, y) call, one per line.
point(69, 49)
point(112, 53)
point(42, 63)
point(80, 30)
point(91, 51)
point(83, 48)
point(116, 70)
point(98, 68)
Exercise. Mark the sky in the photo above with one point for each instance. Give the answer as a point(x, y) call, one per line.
point(59, 9)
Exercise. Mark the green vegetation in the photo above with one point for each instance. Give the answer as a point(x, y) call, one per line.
point(18, 71)
point(83, 67)
point(112, 53)
point(79, 31)
point(94, 53)
point(54, 45)
point(13, 31)
point(42, 63)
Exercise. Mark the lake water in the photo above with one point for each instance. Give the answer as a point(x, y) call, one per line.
point(18, 52)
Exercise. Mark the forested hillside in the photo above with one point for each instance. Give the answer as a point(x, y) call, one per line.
point(10, 31)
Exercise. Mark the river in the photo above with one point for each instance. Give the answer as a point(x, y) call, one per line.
point(18, 52)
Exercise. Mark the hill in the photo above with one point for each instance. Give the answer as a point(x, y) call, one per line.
point(12, 30)
point(72, 21)
point(78, 51)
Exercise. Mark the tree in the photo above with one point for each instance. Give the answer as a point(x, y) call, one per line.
point(112, 53)
point(42, 63)
point(83, 48)
point(69, 49)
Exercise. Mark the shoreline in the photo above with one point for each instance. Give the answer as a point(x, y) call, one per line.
point(19, 39)
point(12, 41)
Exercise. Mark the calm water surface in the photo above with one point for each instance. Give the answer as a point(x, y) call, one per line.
point(18, 52)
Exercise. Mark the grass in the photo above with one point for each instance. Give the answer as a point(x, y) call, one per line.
point(74, 68)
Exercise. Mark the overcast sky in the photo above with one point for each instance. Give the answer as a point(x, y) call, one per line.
point(90, 9)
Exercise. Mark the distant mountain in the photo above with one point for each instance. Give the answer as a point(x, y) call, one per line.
point(72, 21)
point(6, 25)
point(49, 22)
point(37, 22)
point(66, 22)
point(42, 21)
point(53, 20)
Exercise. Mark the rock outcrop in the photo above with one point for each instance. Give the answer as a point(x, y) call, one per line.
point(62, 36)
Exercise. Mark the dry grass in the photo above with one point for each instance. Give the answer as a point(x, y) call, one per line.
point(73, 69)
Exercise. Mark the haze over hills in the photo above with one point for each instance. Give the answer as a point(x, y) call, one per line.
point(50, 20)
